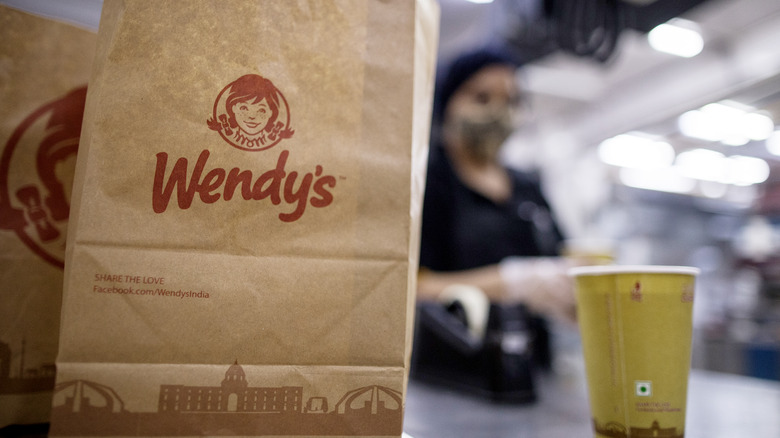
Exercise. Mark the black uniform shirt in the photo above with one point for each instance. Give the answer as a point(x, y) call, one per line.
point(463, 229)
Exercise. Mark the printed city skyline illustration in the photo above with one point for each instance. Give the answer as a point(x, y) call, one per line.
point(233, 407)
point(617, 430)
point(21, 378)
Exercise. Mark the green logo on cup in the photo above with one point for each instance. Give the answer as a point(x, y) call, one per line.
point(644, 388)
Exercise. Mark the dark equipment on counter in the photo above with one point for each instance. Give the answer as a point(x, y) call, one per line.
point(500, 366)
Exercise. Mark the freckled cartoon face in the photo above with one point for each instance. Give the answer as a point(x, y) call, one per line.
point(251, 114)
point(252, 117)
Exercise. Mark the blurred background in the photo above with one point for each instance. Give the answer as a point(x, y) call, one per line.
point(654, 130)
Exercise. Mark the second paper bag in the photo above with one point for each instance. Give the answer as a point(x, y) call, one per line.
point(243, 243)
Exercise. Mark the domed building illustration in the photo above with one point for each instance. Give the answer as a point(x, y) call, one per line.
point(233, 395)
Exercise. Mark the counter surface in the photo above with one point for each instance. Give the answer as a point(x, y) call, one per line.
point(719, 405)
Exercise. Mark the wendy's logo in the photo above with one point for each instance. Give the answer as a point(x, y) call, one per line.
point(36, 175)
point(251, 114)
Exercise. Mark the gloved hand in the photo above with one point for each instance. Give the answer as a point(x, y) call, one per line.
point(542, 284)
point(475, 303)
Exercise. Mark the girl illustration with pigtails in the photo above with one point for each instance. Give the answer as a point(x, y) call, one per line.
point(251, 114)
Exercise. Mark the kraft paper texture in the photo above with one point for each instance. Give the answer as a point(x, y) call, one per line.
point(44, 69)
point(243, 245)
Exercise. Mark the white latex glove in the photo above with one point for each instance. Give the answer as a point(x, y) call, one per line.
point(475, 303)
point(542, 284)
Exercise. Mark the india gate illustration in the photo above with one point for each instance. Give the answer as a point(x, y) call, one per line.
point(86, 408)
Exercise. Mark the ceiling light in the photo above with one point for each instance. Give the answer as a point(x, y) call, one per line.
point(712, 189)
point(662, 180)
point(677, 37)
point(757, 126)
point(773, 143)
point(703, 164)
point(636, 151)
point(727, 122)
point(696, 124)
point(734, 139)
point(709, 165)
point(745, 171)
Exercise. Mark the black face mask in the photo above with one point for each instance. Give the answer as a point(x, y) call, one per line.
point(483, 136)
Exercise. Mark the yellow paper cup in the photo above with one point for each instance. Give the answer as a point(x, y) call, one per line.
point(636, 324)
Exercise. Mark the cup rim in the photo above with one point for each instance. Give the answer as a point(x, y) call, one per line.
point(632, 269)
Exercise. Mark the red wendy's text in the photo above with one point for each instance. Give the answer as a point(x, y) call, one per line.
point(211, 185)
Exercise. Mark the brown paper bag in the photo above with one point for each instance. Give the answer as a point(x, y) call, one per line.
point(44, 69)
point(243, 246)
